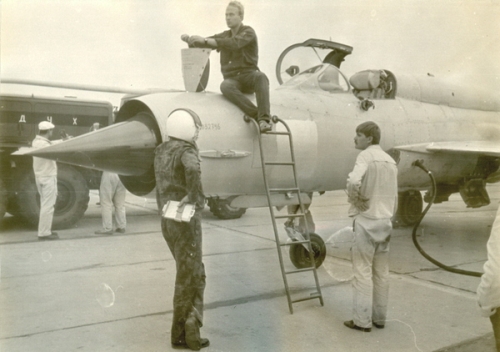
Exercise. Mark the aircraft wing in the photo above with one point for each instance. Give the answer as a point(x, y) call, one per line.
point(490, 148)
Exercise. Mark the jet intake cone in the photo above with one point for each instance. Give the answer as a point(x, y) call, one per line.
point(125, 148)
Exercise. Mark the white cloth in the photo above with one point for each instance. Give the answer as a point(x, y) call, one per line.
point(342, 238)
point(488, 291)
point(112, 194)
point(47, 188)
point(374, 178)
point(43, 167)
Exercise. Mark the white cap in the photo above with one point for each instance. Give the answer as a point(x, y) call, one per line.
point(45, 125)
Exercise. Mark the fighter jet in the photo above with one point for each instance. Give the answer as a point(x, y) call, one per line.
point(454, 131)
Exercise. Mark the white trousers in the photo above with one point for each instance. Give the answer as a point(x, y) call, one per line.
point(112, 195)
point(47, 188)
point(370, 261)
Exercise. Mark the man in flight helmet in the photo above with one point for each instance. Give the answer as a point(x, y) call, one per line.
point(178, 178)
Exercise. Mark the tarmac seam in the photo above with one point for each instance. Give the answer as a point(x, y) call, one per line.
point(440, 269)
point(419, 281)
point(142, 207)
point(209, 306)
point(85, 237)
point(436, 285)
point(239, 231)
point(470, 341)
point(101, 266)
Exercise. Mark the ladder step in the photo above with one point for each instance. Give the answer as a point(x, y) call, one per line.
point(284, 190)
point(291, 163)
point(288, 216)
point(292, 234)
point(312, 296)
point(311, 268)
point(277, 132)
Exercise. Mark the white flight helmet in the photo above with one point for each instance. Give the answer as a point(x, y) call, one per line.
point(183, 124)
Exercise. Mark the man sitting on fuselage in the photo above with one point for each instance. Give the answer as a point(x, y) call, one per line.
point(239, 58)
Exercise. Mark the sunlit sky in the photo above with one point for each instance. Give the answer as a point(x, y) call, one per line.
point(136, 43)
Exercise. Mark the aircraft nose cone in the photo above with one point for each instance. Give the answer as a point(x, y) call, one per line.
point(125, 148)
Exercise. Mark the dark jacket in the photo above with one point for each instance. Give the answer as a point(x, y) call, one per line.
point(178, 173)
point(238, 53)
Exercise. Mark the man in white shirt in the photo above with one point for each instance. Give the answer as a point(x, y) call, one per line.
point(46, 182)
point(372, 190)
point(112, 195)
point(488, 291)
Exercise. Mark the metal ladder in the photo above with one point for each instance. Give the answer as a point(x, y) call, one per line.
point(297, 238)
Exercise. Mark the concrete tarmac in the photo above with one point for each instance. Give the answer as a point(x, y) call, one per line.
point(114, 293)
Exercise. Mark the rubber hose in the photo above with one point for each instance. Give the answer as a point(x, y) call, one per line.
point(419, 164)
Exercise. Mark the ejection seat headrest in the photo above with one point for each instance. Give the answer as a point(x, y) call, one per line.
point(365, 80)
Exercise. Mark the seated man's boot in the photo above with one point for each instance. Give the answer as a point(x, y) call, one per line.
point(265, 126)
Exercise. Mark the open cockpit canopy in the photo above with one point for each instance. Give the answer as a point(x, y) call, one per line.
point(302, 57)
point(314, 65)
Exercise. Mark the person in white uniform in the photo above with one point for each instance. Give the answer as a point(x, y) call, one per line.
point(46, 182)
point(372, 190)
point(488, 291)
point(112, 195)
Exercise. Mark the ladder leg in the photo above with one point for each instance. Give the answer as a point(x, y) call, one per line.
point(306, 241)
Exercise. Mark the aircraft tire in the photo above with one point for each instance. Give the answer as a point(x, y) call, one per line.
point(221, 209)
point(3, 200)
point(12, 207)
point(300, 256)
point(410, 206)
point(72, 198)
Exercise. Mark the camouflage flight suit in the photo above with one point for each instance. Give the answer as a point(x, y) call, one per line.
point(177, 171)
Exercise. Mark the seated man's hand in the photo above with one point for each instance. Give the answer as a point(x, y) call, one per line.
point(195, 40)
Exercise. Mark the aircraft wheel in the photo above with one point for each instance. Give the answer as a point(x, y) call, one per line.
point(221, 209)
point(72, 198)
point(410, 207)
point(300, 256)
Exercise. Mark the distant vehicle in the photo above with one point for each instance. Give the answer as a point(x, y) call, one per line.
point(454, 130)
point(19, 118)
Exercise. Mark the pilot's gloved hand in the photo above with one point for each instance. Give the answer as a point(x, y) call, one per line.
point(183, 201)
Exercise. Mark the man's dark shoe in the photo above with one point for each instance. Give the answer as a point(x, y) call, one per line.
point(265, 126)
point(183, 346)
point(52, 236)
point(119, 230)
point(350, 324)
point(378, 326)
